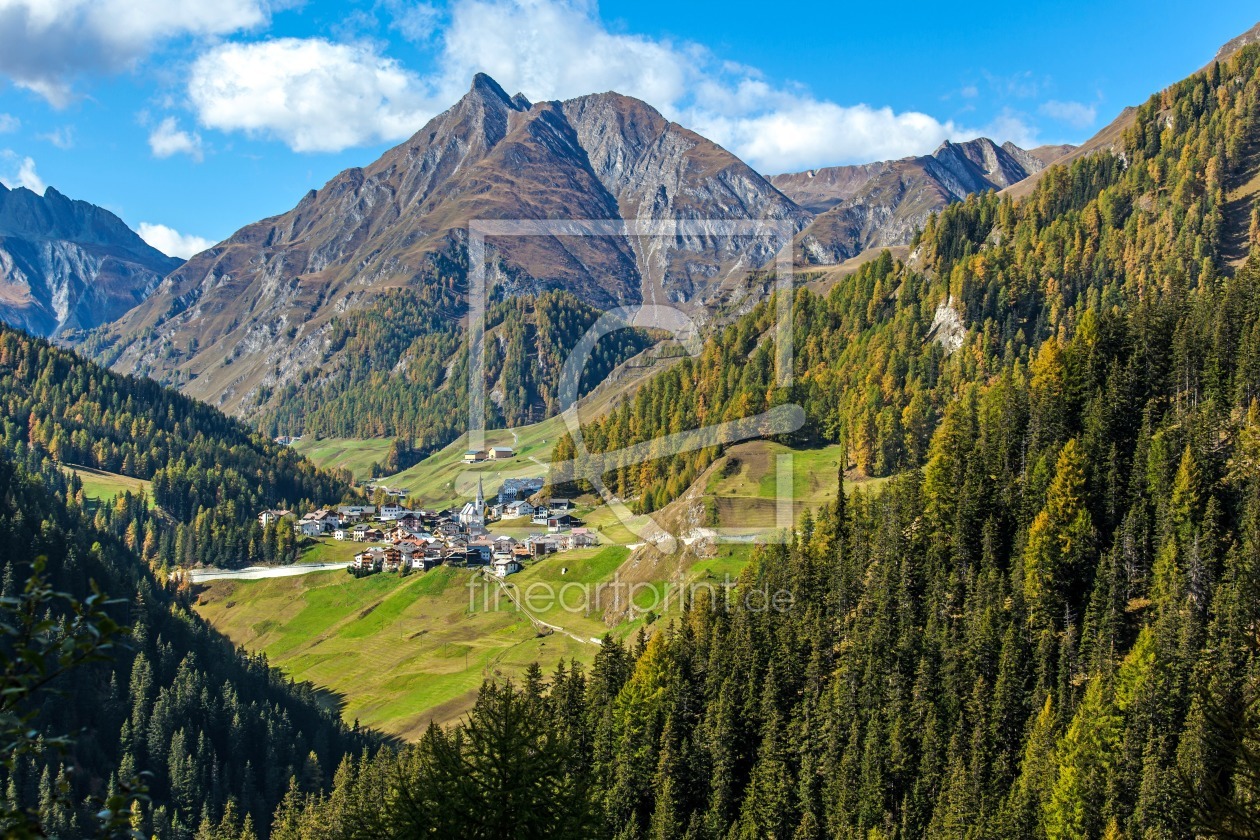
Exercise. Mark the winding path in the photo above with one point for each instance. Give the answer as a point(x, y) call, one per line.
point(537, 622)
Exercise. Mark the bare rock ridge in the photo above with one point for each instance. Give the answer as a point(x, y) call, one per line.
point(69, 265)
point(880, 204)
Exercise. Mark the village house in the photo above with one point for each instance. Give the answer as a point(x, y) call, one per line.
point(472, 456)
point(356, 513)
point(482, 547)
point(517, 509)
point(542, 546)
point(341, 533)
point(516, 489)
point(579, 538)
point(268, 516)
point(506, 566)
point(316, 523)
point(563, 522)
point(500, 453)
point(391, 559)
point(366, 533)
point(392, 511)
point(369, 560)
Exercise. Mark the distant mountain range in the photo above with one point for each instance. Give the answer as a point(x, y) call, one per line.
point(875, 205)
point(69, 265)
point(265, 298)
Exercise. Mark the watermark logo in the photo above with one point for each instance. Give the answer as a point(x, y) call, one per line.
point(591, 466)
point(488, 593)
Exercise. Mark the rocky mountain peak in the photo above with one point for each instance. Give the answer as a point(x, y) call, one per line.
point(1233, 45)
point(875, 205)
point(386, 226)
point(67, 264)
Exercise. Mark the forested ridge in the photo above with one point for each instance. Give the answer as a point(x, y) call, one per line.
point(214, 736)
point(211, 473)
point(1123, 230)
point(1044, 625)
point(398, 366)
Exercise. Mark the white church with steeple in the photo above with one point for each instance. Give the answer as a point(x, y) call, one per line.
point(473, 515)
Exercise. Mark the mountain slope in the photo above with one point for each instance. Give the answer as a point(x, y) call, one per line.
point(250, 316)
point(880, 204)
point(216, 728)
point(69, 265)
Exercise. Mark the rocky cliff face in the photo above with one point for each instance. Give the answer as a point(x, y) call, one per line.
point(659, 171)
point(880, 204)
point(69, 265)
point(263, 299)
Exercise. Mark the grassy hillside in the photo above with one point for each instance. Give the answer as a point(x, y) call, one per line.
point(103, 486)
point(357, 456)
point(743, 483)
point(395, 652)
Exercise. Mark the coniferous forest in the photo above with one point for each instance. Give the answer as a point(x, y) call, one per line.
point(126, 702)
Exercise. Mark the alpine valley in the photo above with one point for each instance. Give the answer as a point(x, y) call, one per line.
point(1001, 578)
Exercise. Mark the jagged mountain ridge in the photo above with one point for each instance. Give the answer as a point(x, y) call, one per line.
point(69, 265)
point(264, 297)
point(241, 321)
point(882, 204)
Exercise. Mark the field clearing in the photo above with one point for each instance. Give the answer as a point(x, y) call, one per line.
point(568, 589)
point(398, 652)
point(103, 486)
point(357, 456)
point(328, 550)
point(748, 471)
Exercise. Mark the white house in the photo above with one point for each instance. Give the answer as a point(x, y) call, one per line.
point(515, 510)
point(502, 567)
point(309, 529)
point(391, 511)
point(341, 533)
point(268, 516)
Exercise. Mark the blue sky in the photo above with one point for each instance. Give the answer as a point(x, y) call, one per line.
point(191, 118)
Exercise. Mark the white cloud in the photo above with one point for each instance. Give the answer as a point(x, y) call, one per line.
point(19, 171)
point(9, 123)
point(314, 95)
point(169, 139)
point(556, 49)
point(47, 43)
point(171, 242)
point(318, 95)
point(62, 138)
point(1075, 114)
point(417, 22)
